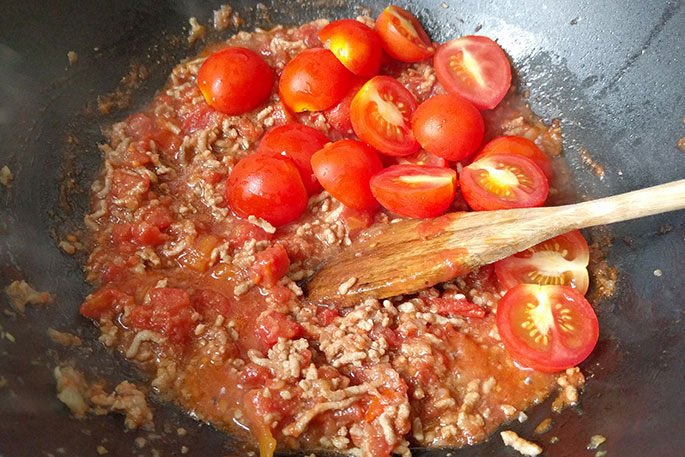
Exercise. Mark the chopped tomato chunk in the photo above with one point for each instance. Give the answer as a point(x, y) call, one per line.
point(168, 313)
point(269, 266)
point(105, 302)
point(273, 326)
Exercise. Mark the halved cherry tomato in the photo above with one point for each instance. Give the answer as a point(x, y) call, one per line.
point(519, 146)
point(415, 190)
point(503, 181)
point(339, 114)
point(344, 169)
point(235, 80)
point(381, 115)
point(420, 157)
point(313, 81)
point(474, 67)
point(448, 126)
point(266, 187)
point(356, 45)
point(299, 143)
point(403, 35)
point(560, 261)
point(548, 328)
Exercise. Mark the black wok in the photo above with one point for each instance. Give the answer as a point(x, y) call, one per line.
point(612, 71)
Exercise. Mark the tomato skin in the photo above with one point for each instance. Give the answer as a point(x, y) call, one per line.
point(403, 35)
point(274, 325)
point(313, 81)
point(421, 157)
point(338, 116)
point(521, 146)
point(448, 126)
point(483, 192)
point(474, 67)
point(547, 328)
point(458, 306)
point(168, 313)
point(269, 266)
point(299, 143)
point(414, 190)
point(344, 169)
point(235, 80)
point(561, 260)
point(266, 187)
point(381, 116)
point(355, 44)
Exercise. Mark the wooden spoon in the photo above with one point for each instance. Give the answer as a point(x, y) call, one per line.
point(410, 255)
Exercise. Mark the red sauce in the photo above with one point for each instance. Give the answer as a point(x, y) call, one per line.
point(209, 304)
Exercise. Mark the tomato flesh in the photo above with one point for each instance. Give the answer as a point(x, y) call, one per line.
point(520, 146)
point(299, 143)
point(420, 157)
point(355, 44)
point(474, 67)
point(344, 169)
point(381, 116)
point(448, 126)
point(403, 35)
point(503, 181)
point(267, 187)
point(547, 328)
point(414, 190)
point(561, 260)
point(313, 81)
point(235, 80)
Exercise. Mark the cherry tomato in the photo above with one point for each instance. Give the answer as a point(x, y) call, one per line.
point(356, 45)
point(548, 328)
point(415, 190)
point(338, 116)
point(299, 143)
point(313, 81)
point(503, 181)
point(403, 36)
point(266, 187)
point(235, 80)
point(519, 146)
point(420, 157)
point(344, 169)
point(474, 67)
point(381, 113)
point(448, 126)
point(560, 261)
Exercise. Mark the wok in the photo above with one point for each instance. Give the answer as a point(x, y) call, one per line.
point(612, 71)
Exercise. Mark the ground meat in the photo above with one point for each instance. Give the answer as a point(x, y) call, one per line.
point(6, 176)
point(525, 447)
point(21, 294)
point(64, 338)
point(81, 398)
point(185, 289)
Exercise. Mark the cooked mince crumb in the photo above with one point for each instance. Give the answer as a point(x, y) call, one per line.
point(21, 294)
point(64, 338)
point(525, 447)
point(554, 440)
point(544, 426)
point(197, 31)
point(6, 176)
point(222, 17)
point(595, 442)
point(207, 302)
point(681, 144)
point(72, 56)
point(81, 398)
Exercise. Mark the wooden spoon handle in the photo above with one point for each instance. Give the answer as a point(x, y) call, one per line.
point(631, 205)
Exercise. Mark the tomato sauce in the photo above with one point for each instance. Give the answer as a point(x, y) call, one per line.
point(209, 303)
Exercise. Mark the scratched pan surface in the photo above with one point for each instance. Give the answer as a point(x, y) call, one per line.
point(612, 70)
